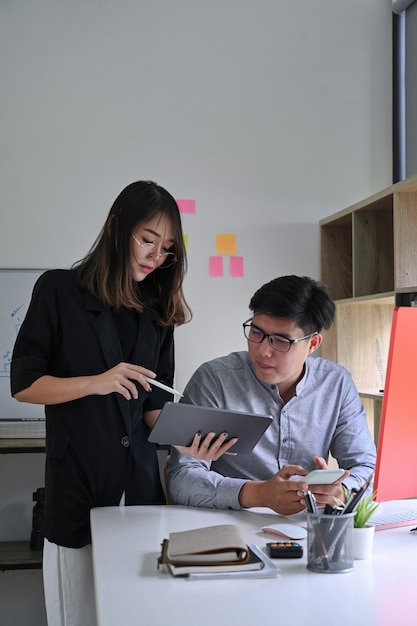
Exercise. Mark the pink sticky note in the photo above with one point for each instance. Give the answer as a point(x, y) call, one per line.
point(215, 266)
point(236, 266)
point(186, 206)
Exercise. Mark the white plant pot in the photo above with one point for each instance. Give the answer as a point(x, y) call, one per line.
point(363, 541)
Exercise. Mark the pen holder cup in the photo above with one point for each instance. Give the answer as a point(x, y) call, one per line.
point(330, 543)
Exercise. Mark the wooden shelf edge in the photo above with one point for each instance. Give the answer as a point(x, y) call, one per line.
point(14, 445)
point(17, 555)
point(408, 185)
point(373, 394)
point(375, 298)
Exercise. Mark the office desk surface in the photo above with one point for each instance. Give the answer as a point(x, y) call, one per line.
point(131, 591)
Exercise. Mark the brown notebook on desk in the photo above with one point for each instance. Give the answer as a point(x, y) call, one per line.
point(222, 544)
point(253, 564)
point(211, 549)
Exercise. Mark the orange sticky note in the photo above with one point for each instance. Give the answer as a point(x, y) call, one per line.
point(225, 244)
point(236, 266)
point(215, 266)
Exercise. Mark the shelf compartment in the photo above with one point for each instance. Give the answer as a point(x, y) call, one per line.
point(373, 408)
point(405, 237)
point(373, 251)
point(362, 340)
point(336, 256)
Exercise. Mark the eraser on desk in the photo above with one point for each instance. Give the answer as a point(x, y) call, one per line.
point(286, 530)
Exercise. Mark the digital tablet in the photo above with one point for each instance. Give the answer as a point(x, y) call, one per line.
point(178, 423)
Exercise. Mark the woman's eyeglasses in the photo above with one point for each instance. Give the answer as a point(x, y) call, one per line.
point(165, 259)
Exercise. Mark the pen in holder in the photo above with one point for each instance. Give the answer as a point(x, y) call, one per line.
point(330, 542)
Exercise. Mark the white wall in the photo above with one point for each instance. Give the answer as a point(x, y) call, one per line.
point(270, 114)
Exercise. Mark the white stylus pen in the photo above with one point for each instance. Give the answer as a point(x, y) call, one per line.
point(152, 381)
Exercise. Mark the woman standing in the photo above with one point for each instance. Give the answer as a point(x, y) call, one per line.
point(90, 336)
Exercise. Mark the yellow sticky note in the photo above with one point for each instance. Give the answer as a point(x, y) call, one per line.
point(185, 238)
point(225, 244)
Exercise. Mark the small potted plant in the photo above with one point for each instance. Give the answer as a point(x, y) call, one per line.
point(364, 511)
point(363, 531)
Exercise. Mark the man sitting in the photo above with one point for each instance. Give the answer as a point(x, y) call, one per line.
point(315, 406)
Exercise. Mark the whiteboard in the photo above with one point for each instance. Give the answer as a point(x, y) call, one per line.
point(15, 292)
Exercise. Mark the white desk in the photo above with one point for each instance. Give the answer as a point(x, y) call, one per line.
point(131, 591)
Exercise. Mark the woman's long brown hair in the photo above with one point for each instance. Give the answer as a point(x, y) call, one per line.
point(104, 271)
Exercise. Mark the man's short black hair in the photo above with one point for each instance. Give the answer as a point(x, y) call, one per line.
point(298, 298)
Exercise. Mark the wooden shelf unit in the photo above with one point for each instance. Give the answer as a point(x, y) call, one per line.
point(369, 263)
point(16, 555)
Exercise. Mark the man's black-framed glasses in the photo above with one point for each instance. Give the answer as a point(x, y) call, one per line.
point(277, 342)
